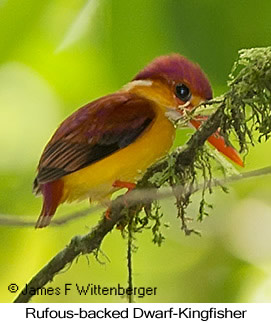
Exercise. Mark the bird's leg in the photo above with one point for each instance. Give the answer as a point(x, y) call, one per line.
point(128, 185)
point(107, 213)
point(120, 184)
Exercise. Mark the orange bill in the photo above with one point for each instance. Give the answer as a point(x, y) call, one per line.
point(219, 143)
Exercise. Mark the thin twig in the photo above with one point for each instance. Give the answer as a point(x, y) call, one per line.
point(129, 259)
point(137, 195)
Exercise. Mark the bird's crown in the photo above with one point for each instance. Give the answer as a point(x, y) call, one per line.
point(175, 68)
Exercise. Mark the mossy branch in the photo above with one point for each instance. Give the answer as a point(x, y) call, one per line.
point(244, 110)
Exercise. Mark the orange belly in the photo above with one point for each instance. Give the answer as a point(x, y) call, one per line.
point(127, 164)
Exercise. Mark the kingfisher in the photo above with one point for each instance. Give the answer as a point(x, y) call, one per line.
point(109, 143)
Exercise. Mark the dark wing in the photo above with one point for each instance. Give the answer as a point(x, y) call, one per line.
point(94, 132)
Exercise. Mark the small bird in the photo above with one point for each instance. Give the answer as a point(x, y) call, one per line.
point(109, 143)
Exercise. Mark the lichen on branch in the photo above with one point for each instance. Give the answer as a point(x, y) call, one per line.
point(244, 112)
point(247, 104)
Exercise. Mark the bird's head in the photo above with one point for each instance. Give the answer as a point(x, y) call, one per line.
point(179, 85)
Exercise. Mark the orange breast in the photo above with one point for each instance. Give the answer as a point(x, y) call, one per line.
point(128, 164)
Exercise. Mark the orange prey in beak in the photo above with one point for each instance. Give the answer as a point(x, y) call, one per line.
point(218, 142)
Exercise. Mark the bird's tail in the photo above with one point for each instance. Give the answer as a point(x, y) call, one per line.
point(52, 194)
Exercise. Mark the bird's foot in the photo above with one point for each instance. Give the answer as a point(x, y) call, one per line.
point(128, 185)
point(120, 184)
point(107, 213)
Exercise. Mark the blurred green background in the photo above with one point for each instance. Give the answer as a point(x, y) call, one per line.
point(57, 55)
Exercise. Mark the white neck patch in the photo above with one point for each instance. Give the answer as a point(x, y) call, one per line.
point(129, 86)
point(173, 114)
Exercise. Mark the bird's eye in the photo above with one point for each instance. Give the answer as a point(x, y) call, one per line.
point(183, 92)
